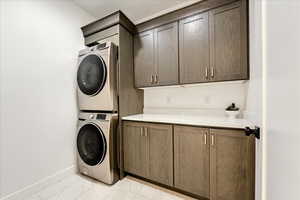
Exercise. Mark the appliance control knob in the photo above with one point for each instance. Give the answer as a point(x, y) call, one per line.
point(91, 116)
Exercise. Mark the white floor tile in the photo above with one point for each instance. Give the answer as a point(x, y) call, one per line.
point(77, 187)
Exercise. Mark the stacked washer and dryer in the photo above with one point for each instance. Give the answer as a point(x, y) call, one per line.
point(98, 116)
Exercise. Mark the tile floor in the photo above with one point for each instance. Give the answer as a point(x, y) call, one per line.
point(77, 187)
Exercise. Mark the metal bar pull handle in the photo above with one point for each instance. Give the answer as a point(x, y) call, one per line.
point(152, 79)
point(146, 132)
point(156, 79)
point(205, 138)
point(212, 140)
point(206, 73)
point(212, 72)
point(142, 131)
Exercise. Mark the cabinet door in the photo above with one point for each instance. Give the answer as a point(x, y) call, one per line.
point(166, 50)
point(191, 158)
point(135, 149)
point(194, 49)
point(160, 139)
point(232, 165)
point(228, 28)
point(144, 61)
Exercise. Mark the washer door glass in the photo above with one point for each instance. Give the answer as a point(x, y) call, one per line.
point(91, 74)
point(91, 144)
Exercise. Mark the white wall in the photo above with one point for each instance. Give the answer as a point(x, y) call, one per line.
point(193, 99)
point(40, 40)
point(282, 62)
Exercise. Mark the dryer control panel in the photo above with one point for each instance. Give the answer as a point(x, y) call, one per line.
point(97, 116)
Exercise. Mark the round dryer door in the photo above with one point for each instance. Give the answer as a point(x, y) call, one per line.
point(91, 74)
point(91, 144)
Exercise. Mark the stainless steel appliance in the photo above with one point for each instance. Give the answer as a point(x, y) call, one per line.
point(96, 146)
point(97, 79)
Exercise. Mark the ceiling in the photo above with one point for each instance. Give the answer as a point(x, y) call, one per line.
point(136, 10)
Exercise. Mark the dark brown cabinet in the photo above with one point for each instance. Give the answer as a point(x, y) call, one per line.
point(228, 42)
point(210, 163)
point(148, 151)
point(166, 49)
point(191, 160)
point(135, 147)
point(194, 49)
point(232, 165)
point(156, 56)
point(214, 163)
point(144, 59)
point(160, 139)
point(212, 46)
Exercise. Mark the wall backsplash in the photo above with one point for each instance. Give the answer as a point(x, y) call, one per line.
point(192, 99)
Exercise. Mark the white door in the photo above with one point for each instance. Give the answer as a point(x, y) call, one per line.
point(282, 98)
point(255, 87)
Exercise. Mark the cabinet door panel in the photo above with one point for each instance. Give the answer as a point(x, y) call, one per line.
point(166, 49)
point(194, 49)
point(160, 153)
point(135, 149)
point(232, 165)
point(228, 29)
point(191, 158)
point(144, 61)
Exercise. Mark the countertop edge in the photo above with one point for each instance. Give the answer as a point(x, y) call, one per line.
point(208, 125)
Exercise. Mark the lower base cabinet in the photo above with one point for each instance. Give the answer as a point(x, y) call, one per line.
point(232, 165)
point(148, 151)
point(135, 147)
point(160, 139)
point(216, 164)
point(191, 159)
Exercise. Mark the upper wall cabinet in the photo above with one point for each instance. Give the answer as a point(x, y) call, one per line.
point(194, 49)
point(228, 42)
point(144, 60)
point(212, 46)
point(166, 49)
point(156, 56)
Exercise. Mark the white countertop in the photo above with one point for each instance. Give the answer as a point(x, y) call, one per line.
point(194, 120)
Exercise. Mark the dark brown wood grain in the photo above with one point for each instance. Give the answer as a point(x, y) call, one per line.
point(136, 155)
point(160, 138)
point(108, 21)
point(212, 163)
point(231, 166)
point(166, 54)
point(213, 46)
point(131, 100)
point(179, 14)
point(148, 151)
point(144, 59)
point(194, 49)
point(228, 42)
point(191, 159)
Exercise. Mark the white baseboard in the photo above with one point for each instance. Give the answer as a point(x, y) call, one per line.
point(38, 186)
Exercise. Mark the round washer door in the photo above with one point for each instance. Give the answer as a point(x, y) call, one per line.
point(91, 74)
point(91, 144)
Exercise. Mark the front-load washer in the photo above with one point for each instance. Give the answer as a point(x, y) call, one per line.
point(96, 146)
point(97, 78)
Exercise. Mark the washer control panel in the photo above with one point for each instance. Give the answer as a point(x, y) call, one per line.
point(101, 116)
